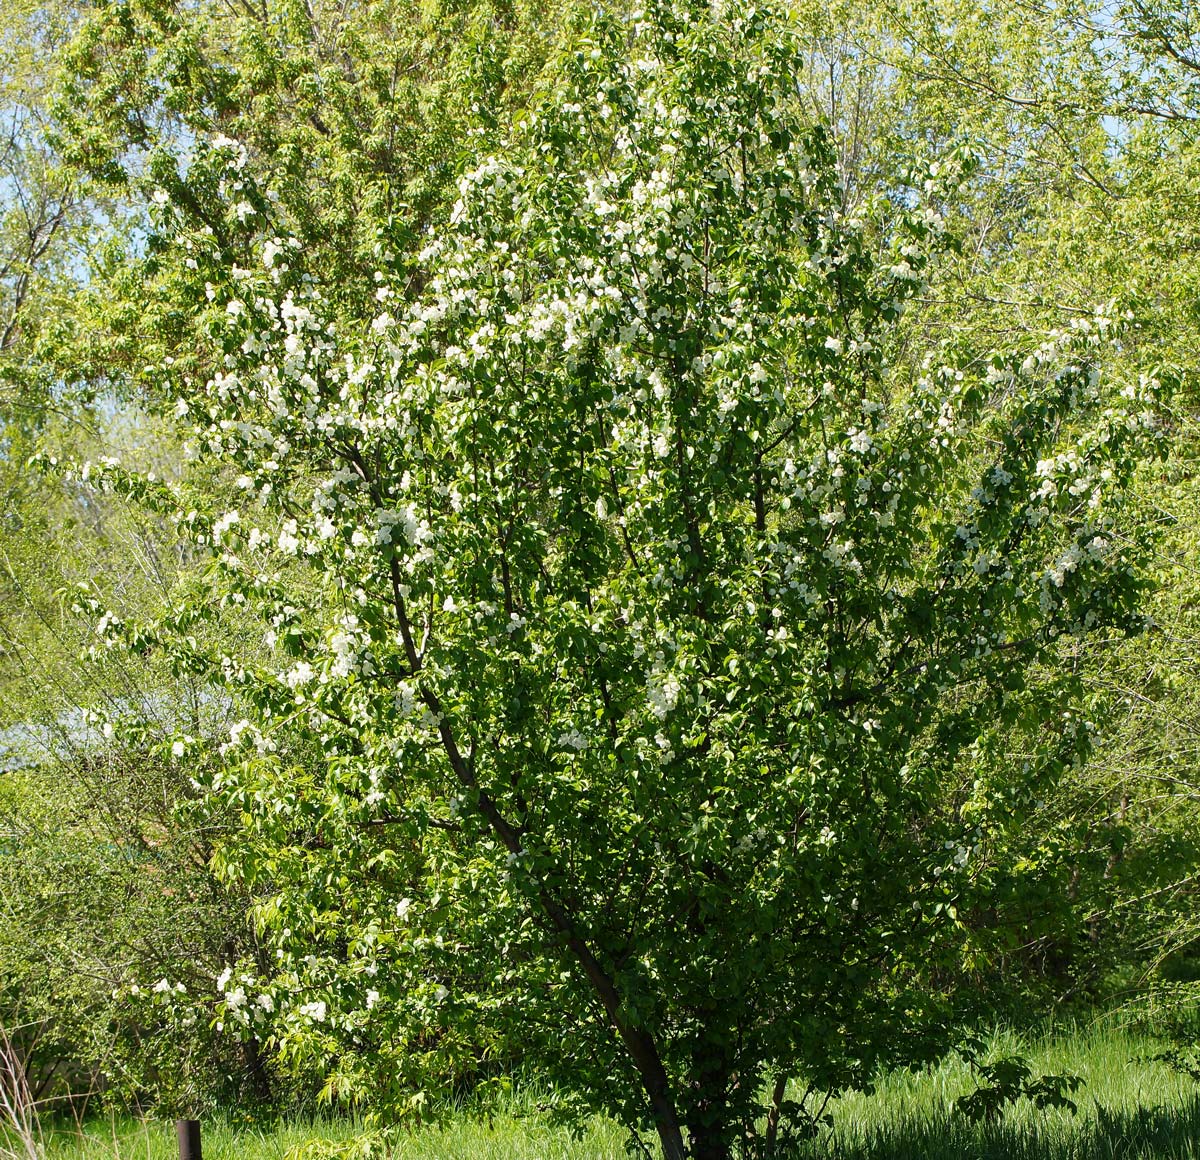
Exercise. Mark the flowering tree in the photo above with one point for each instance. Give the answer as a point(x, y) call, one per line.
point(657, 649)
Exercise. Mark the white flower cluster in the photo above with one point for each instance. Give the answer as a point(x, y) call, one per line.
point(662, 687)
point(238, 1003)
point(241, 730)
point(350, 647)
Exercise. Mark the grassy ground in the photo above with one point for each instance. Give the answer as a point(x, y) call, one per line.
point(506, 1139)
point(1128, 1110)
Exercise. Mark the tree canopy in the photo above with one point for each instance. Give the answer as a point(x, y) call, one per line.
point(666, 635)
point(654, 501)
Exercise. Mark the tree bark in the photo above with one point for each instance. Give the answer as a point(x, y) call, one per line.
point(706, 1147)
point(773, 1116)
point(708, 1119)
point(257, 1070)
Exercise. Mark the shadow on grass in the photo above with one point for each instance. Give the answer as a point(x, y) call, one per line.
point(1157, 1133)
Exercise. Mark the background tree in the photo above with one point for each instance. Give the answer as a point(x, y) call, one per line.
point(1092, 150)
point(105, 878)
point(105, 883)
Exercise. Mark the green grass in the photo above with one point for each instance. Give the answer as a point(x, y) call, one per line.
point(1128, 1110)
point(505, 1137)
point(129, 1139)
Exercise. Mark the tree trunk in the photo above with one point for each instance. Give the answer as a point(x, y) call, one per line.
point(708, 1118)
point(257, 1070)
point(709, 1146)
point(773, 1116)
point(667, 1124)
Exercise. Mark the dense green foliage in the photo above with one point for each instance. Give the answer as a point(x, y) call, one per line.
point(698, 474)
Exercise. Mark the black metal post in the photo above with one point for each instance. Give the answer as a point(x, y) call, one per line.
point(188, 1134)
